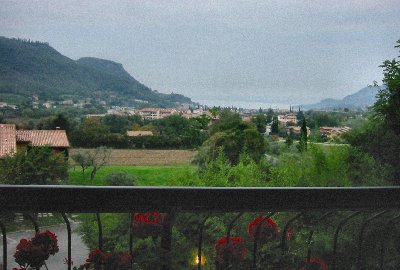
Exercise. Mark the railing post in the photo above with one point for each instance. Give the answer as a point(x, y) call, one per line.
point(336, 236)
point(69, 259)
point(131, 236)
point(200, 243)
point(35, 224)
point(33, 220)
point(166, 239)
point(309, 240)
point(100, 228)
point(3, 232)
point(255, 245)
point(228, 236)
point(361, 238)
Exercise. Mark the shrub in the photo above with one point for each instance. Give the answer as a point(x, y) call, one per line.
point(120, 179)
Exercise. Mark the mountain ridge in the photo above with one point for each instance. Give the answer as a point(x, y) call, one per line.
point(35, 68)
point(361, 99)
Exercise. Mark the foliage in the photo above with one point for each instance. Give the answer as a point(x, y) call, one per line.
point(118, 123)
point(316, 167)
point(263, 230)
point(94, 159)
point(382, 144)
point(380, 137)
point(98, 260)
point(230, 252)
point(148, 224)
point(115, 231)
point(177, 175)
point(233, 136)
point(275, 125)
point(289, 140)
point(247, 172)
point(269, 115)
point(117, 178)
point(40, 165)
point(260, 120)
point(302, 146)
point(324, 119)
point(388, 99)
point(172, 132)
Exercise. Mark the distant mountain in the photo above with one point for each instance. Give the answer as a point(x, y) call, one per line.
point(361, 99)
point(34, 68)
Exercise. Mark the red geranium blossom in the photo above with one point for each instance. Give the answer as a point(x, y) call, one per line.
point(108, 261)
point(289, 234)
point(315, 264)
point(230, 249)
point(148, 224)
point(47, 240)
point(34, 252)
point(268, 229)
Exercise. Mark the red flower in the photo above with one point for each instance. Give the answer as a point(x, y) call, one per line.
point(289, 234)
point(47, 240)
point(268, 229)
point(230, 249)
point(315, 264)
point(148, 224)
point(28, 254)
point(23, 243)
point(34, 252)
point(95, 256)
point(108, 261)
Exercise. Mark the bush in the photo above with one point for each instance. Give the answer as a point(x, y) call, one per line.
point(39, 165)
point(120, 179)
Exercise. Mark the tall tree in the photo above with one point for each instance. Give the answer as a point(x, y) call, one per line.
point(260, 120)
point(275, 125)
point(303, 137)
point(388, 99)
point(234, 136)
point(94, 159)
point(269, 115)
point(380, 137)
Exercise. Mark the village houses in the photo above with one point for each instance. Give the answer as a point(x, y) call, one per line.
point(13, 140)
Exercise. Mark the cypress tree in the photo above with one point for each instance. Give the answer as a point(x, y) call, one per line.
point(303, 137)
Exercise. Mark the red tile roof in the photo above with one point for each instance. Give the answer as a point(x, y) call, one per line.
point(23, 135)
point(7, 139)
point(53, 138)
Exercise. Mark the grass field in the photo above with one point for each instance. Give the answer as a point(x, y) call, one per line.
point(177, 175)
point(145, 157)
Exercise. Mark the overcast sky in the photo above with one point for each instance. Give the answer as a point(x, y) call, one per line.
point(280, 51)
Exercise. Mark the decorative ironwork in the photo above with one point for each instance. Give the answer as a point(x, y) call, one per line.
point(361, 238)
point(335, 238)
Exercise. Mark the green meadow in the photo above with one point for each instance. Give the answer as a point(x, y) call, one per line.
point(146, 175)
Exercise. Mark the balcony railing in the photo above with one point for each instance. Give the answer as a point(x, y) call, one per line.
point(376, 207)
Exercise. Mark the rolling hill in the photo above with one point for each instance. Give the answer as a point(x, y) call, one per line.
point(35, 68)
point(361, 99)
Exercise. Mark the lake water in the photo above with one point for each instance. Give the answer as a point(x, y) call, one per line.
point(243, 104)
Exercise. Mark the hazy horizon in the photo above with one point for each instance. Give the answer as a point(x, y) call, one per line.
point(240, 51)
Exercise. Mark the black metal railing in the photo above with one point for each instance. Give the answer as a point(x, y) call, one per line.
point(370, 203)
